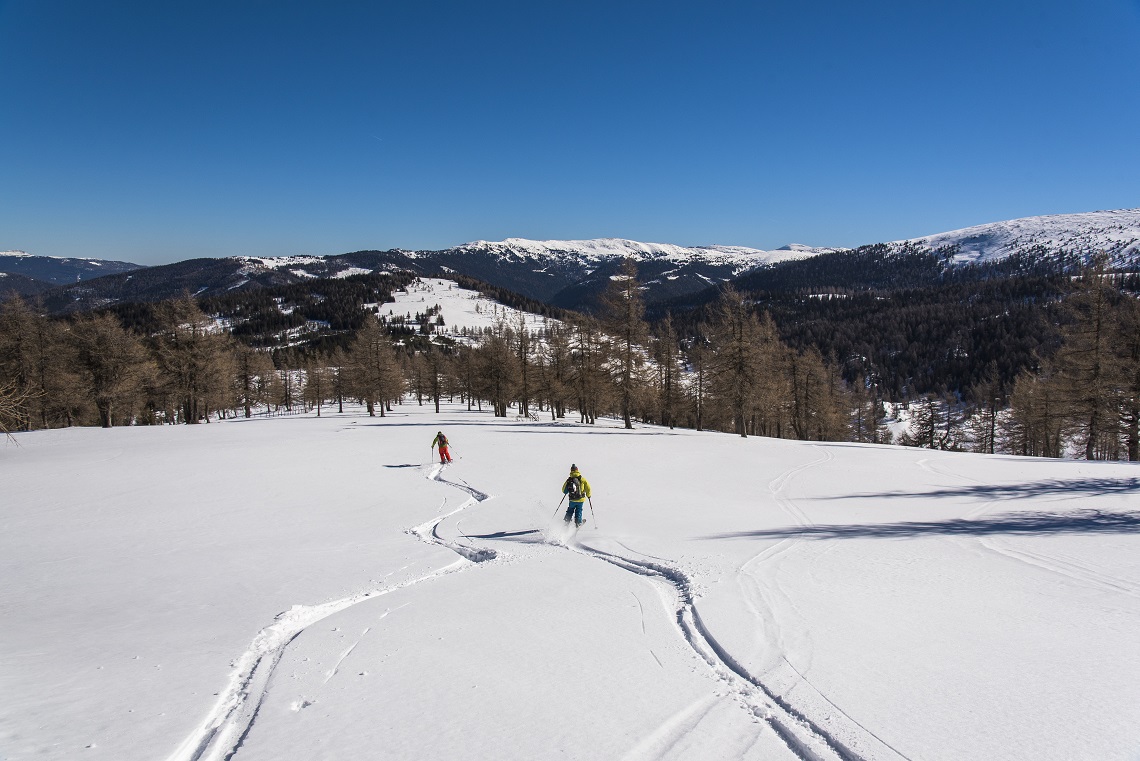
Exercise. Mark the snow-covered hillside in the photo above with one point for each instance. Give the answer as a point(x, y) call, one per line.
point(1116, 233)
point(739, 258)
point(461, 309)
point(302, 588)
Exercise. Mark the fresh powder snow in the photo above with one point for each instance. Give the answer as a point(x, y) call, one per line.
point(303, 587)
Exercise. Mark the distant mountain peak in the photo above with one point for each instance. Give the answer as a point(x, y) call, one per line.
point(739, 258)
point(1115, 233)
point(811, 250)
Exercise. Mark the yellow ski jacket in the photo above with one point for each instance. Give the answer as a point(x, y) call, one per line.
point(585, 486)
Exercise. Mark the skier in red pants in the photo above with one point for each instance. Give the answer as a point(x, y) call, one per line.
point(444, 455)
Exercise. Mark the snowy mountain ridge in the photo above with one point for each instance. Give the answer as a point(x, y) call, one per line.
point(598, 250)
point(1116, 233)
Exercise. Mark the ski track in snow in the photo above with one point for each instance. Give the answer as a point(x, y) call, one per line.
point(1068, 567)
point(804, 738)
point(845, 736)
point(834, 736)
point(233, 716)
point(678, 726)
point(227, 726)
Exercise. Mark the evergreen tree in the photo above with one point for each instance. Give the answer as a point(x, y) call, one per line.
point(1128, 356)
point(925, 424)
point(983, 426)
point(1036, 425)
point(1089, 375)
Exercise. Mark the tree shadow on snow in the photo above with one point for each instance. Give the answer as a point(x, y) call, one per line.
point(1082, 487)
point(1023, 524)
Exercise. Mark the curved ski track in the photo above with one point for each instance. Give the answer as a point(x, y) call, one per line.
point(228, 724)
point(221, 735)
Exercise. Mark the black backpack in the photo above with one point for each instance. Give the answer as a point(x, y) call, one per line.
point(574, 488)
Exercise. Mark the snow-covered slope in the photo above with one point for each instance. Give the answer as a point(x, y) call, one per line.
point(462, 310)
point(329, 592)
point(1116, 233)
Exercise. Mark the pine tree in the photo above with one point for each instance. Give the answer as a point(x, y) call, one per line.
point(819, 404)
point(700, 354)
point(251, 368)
point(1036, 425)
point(524, 351)
point(925, 425)
point(113, 365)
point(735, 364)
point(318, 383)
point(557, 364)
point(38, 363)
point(623, 315)
point(1090, 376)
point(375, 369)
point(774, 399)
point(1128, 356)
point(666, 358)
point(988, 396)
point(464, 369)
point(436, 370)
point(191, 357)
point(587, 373)
point(498, 371)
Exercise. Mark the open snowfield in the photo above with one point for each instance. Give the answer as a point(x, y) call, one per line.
point(461, 308)
point(318, 588)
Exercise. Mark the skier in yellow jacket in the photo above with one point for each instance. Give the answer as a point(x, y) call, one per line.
point(577, 488)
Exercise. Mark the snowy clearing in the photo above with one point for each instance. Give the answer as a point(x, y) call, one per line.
point(307, 588)
point(461, 308)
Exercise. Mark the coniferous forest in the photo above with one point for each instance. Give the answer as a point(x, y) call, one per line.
point(1022, 356)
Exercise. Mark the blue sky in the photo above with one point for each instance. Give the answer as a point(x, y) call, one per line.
point(159, 131)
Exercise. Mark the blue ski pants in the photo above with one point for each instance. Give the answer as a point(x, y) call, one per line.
point(574, 511)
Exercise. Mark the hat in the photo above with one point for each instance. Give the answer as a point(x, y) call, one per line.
point(573, 467)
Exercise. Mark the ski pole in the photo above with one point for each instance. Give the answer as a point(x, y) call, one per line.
point(560, 504)
point(592, 513)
